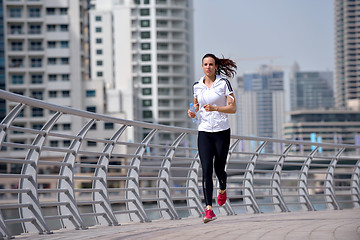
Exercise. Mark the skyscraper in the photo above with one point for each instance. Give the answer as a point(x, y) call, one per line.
point(261, 110)
point(347, 72)
point(143, 49)
point(311, 89)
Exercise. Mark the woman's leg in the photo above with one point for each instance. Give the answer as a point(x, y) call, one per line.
point(206, 153)
point(222, 143)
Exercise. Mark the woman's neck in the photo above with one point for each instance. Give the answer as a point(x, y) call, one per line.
point(208, 81)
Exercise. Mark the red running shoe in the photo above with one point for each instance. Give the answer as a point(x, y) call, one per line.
point(221, 199)
point(209, 216)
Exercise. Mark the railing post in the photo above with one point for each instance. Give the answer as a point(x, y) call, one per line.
point(103, 196)
point(355, 185)
point(6, 122)
point(329, 183)
point(227, 206)
point(67, 183)
point(31, 183)
point(164, 181)
point(303, 190)
point(133, 181)
point(277, 198)
point(192, 185)
point(249, 193)
point(4, 230)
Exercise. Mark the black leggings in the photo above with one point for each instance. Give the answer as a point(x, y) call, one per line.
point(210, 145)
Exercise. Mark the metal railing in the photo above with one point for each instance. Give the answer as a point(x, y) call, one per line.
point(99, 177)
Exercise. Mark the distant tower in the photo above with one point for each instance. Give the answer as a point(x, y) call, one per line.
point(143, 49)
point(311, 90)
point(347, 70)
point(261, 110)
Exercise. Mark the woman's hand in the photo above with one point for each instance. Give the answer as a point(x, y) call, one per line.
point(191, 114)
point(209, 108)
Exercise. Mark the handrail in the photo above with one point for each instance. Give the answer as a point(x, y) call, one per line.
point(80, 185)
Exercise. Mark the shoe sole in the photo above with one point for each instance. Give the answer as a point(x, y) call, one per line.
point(206, 220)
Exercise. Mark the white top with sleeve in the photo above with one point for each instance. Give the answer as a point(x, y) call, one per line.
point(212, 121)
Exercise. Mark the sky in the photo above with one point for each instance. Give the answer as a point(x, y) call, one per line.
point(256, 32)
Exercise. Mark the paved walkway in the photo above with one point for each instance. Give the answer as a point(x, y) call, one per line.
point(343, 224)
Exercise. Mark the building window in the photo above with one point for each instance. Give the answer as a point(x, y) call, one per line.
point(65, 77)
point(99, 51)
point(65, 93)
point(63, 11)
point(17, 79)
point(36, 62)
point(64, 44)
point(66, 143)
point(37, 112)
point(145, 35)
point(66, 126)
point(146, 91)
point(91, 109)
point(64, 28)
point(146, 2)
point(64, 61)
point(15, 12)
point(98, 18)
point(147, 103)
point(37, 79)
point(51, 44)
point(16, 29)
point(99, 74)
point(91, 144)
point(34, 12)
point(54, 143)
point(90, 93)
point(147, 114)
point(93, 127)
point(146, 80)
point(145, 69)
point(16, 46)
point(109, 125)
point(98, 29)
point(51, 61)
point(98, 40)
point(37, 94)
point(50, 11)
point(99, 63)
point(146, 57)
point(34, 29)
point(145, 23)
point(51, 28)
point(145, 46)
point(52, 94)
point(36, 46)
point(145, 12)
point(52, 77)
point(37, 126)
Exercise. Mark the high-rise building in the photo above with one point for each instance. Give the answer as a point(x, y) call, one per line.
point(311, 89)
point(261, 108)
point(46, 56)
point(347, 71)
point(143, 50)
point(2, 60)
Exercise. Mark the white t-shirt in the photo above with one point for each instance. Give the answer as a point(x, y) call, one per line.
point(212, 121)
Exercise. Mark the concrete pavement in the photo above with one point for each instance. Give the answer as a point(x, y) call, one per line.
point(319, 225)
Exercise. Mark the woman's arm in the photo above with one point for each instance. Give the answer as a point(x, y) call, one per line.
point(230, 108)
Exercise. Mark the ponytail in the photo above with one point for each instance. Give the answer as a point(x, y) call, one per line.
point(226, 66)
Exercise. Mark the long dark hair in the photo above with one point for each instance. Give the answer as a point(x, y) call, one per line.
point(226, 66)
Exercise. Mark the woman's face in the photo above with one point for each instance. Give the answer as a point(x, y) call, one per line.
point(209, 66)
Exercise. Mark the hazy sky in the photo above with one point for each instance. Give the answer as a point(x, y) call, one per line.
point(251, 31)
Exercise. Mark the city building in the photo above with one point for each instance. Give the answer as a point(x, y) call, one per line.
point(347, 71)
point(327, 125)
point(311, 89)
point(261, 105)
point(143, 50)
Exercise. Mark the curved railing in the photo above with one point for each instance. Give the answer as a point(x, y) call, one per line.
point(52, 178)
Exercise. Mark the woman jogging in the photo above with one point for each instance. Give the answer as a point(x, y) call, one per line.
point(214, 100)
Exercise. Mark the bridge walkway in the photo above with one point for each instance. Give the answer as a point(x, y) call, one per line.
point(329, 224)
